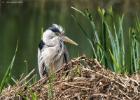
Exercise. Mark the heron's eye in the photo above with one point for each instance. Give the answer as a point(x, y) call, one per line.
point(57, 33)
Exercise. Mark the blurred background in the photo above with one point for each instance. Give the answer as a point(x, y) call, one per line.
point(23, 20)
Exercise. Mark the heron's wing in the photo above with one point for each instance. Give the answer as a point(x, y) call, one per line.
point(43, 71)
point(41, 65)
point(66, 55)
point(41, 44)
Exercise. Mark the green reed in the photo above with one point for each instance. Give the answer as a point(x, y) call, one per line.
point(108, 41)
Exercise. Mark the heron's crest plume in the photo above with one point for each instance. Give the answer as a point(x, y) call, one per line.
point(57, 29)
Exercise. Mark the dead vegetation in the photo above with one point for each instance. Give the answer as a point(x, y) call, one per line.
point(80, 79)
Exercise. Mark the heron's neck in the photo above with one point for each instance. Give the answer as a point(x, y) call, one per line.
point(52, 42)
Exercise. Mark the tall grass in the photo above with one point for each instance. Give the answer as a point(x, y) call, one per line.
point(8, 74)
point(108, 43)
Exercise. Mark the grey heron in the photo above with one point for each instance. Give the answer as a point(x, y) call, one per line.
point(52, 52)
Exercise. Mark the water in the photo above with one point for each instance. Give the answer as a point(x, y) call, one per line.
point(23, 21)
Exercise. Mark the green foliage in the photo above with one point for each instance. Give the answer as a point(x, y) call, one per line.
point(50, 85)
point(7, 77)
point(108, 43)
point(34, 96)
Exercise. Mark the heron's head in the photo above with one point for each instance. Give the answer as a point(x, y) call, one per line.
point(57, 32)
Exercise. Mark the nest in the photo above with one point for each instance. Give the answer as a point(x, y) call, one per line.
point(81, 79)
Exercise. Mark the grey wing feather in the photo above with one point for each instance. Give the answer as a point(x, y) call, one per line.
point(66, 55)
point(41, 65)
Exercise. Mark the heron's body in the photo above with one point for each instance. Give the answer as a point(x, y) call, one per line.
point(52, 53)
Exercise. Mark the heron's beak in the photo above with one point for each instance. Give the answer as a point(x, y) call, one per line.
point(68, 40)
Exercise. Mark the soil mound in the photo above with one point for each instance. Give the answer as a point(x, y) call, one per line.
point(81, 79)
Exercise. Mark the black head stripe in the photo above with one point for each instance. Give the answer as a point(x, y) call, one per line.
point(41, 44)
point(54, 29)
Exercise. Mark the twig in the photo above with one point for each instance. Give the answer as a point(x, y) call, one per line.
point(26, 77)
